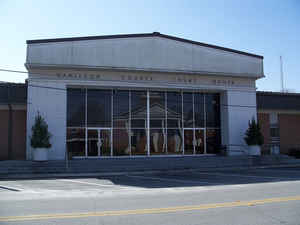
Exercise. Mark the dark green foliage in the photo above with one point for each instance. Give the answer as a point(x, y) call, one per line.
point(253, 134)
point(40, 135)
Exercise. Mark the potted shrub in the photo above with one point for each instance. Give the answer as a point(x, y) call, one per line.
point(254, 138)
point(40, 139)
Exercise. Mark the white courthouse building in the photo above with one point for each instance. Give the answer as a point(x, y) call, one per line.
point(140, 95)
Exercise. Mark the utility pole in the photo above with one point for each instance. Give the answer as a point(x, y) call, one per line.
point(281, 74)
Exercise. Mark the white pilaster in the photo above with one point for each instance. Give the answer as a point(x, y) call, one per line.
point(237, 108)
point(50, 100)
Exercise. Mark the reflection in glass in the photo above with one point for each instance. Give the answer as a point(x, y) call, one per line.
point(138, 142)
point(188, 115)
point(75, 107)
point(174, 107)
point(157, 141)
point(188, 142)
point(139, 109)
point(199, 141)
point(92, 143)
point(157, 109)
point(99, 108)
point(169, 114)
point(174, 141)
point(212, 103)
point(213, 141)
point(199, 109)
point(120, 142)
point(76, 141)
point(120, 108)
point(104, 143)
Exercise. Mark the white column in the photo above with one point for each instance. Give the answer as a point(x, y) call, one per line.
point(237, 108)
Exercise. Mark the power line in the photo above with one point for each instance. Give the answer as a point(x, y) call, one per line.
point(13, 71)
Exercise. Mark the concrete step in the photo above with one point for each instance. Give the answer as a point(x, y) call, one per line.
point(140, 164)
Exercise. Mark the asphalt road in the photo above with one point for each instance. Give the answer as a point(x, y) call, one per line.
point(236, 197)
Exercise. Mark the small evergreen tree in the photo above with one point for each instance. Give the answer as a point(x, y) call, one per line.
point(40, 135)
point(253, 134)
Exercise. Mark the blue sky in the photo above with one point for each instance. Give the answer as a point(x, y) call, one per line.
point(270, 28)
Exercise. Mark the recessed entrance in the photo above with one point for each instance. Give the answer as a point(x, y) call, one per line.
point(103, 122)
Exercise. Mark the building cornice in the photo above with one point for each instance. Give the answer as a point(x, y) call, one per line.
point(32, 66)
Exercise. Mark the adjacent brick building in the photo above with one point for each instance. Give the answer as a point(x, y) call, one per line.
point(279, 117)
point(13, 113)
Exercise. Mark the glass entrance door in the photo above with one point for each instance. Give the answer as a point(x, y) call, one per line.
point(99, 142)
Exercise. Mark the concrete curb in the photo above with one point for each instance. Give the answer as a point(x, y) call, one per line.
point(82, 175)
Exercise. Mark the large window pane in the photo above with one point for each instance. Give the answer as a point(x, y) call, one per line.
point(99, 108)
point(188, 142)
point(138, 109)
point(174, 141)
point(105, 142)
point(76, 141)
point(199, 141)
point(212, 102)
point(174, 110)
point(199, 109)
point(157, 142)
point(75, 107)
point(121, 109)
point(138, 142)
point(157, 109)
point(188, 115)
point(121, 142)
point(92, 143)
point(213, 141)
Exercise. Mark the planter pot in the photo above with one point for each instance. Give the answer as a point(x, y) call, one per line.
point(40, 154)
point(254, 150)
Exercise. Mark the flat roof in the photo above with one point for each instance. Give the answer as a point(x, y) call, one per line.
point(277, 100)
point(154, 34)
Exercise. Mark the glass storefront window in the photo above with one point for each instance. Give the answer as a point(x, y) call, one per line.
point(157, 109)
point(188, 142)
point(116, 122)
point(199, 141)
point(138, 109)
point(212, 106)
point(188, 114)
point(199, 109)
point(213, 141)
point(76, 112)
point(139, 142)
point(76, 141)
point(120, 109)
point(158, 141)
point(174, 141)
point(120, 140)
point(99, 108)
point(174, 110)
